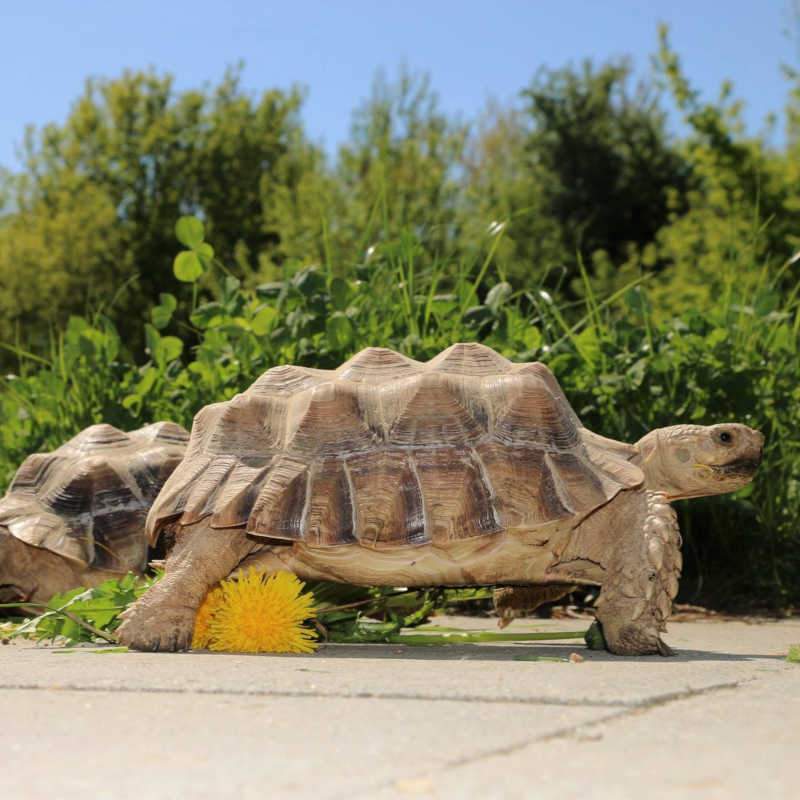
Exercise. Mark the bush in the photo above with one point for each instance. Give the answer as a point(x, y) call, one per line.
point(624, 370)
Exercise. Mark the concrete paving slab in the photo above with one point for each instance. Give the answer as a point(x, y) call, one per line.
point(707, 657)
point(147, 746)
point(391, 721)
point(718, 745)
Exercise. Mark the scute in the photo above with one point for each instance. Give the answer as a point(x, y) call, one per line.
point(576, 484)
point(249, 425)
point(279, 509)
point(330, 512)
point(329, 422)
point(237, 495)
point(430, 412)
point(388, 452)
point(166, 432)
point(533, 416)
point(523, 484)
point(205, 488)
point(377, 365)
point(87, 500)
point(387, 499)
point(470, 358)
point(540, 372)
point(32, 473)
point(286, 380)
point(459, 503)
point(97, 437)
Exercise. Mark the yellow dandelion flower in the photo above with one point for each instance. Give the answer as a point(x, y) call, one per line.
point(261, 615)
point(201, 636)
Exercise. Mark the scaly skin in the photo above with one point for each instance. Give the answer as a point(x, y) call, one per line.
point(641, 579)
point(633, 542)
point(33, 574)
point(163, 619)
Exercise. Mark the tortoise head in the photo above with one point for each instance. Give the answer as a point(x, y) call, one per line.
point(696, 460)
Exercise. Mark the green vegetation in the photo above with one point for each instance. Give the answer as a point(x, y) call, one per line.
point(82, 615)
point(343, 614)
point(655, 275)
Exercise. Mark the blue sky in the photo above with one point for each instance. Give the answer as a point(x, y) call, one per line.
point(472, 50)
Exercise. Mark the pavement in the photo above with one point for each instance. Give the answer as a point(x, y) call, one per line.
point(720, 720)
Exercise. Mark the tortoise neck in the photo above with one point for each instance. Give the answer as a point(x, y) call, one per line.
point(649, 458)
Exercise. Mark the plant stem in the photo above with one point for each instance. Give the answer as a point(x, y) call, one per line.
point(470, 638)
point(109, 637)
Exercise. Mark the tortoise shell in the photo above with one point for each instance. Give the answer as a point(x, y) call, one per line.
point(87, 501)
point(386, 451)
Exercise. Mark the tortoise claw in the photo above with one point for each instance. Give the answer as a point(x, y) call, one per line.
point(664, 649)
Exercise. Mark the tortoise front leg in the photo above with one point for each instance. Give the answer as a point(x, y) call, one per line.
point(641, 580)
point(163, 618)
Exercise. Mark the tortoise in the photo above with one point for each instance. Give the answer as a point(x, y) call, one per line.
point(75, 517)
point(465, 470)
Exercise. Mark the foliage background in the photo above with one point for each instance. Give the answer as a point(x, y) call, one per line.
point(654, 273)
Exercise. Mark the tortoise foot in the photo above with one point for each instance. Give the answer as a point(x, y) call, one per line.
point(153, 628)
point(635, 640)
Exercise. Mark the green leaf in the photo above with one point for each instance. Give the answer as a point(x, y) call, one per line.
point(152, 338)
point(309, 281)
point(171, 348)
point(498, 295)
point(230, 286)
point(339, 330)
point(189, 231)
point(340, 293)
point(149, 377)
point(262, 321)
point(187, 266)
point(532, 337)
point(205, 252)
point(204, 314)
point(272, 289)
point(477, 315)
point(162, 349)
point(794, 654)
point(162, 314)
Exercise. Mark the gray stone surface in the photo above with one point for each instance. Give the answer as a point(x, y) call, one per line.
point(720, 720)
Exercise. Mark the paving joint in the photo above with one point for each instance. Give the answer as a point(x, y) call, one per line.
point(629, 710)
point(579, 702)
point(299, 693)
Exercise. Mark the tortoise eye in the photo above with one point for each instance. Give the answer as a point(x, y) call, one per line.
point(725, 437)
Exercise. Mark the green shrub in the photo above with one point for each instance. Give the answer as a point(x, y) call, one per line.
point(624, 370)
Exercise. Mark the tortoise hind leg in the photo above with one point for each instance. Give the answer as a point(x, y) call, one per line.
point(163, 618)
point(514, 601)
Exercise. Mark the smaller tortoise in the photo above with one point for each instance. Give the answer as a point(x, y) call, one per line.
point(75, 517)
point(465, 470)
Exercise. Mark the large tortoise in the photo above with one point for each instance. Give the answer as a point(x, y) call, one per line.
point(465, 470)
point(75, 517)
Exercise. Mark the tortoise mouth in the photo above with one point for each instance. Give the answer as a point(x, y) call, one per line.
point(744, 467)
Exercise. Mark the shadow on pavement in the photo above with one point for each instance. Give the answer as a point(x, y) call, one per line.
point(484, 652)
